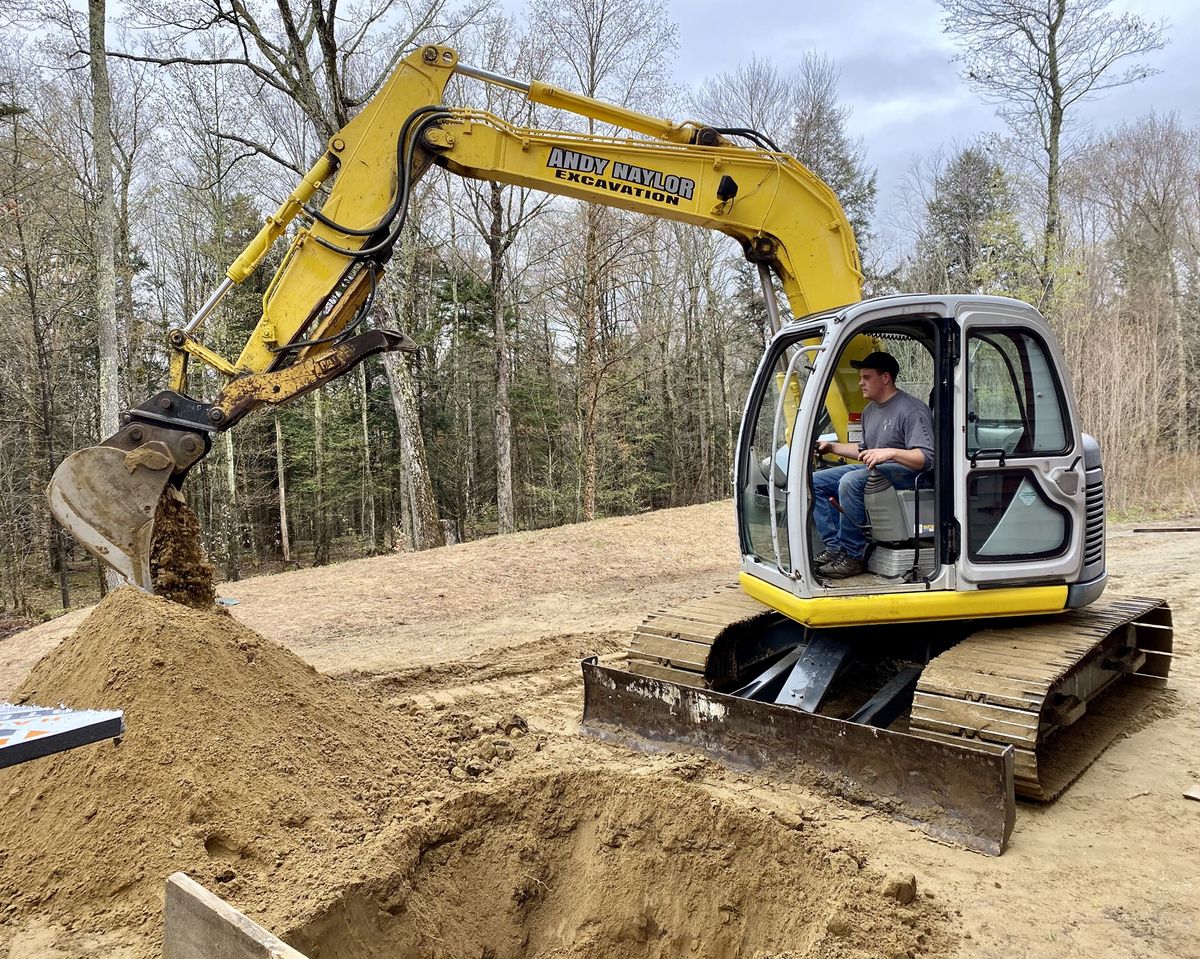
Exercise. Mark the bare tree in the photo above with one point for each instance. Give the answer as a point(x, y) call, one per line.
point(498, 214)
point(802, 111)
point(326, 60)
point(602, 57)
point(326, 63)
point(1037, 59)
point(41, 261)
point(10, 15)
point(106, 267)
point(820, 140)
point(755, 94)
point(1141, 175)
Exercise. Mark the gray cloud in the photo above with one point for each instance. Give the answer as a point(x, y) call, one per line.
point(906, 95)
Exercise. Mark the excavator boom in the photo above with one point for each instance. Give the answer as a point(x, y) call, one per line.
point(786, 220)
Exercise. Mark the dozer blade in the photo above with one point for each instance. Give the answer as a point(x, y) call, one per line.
point(952, 792)
point(106, 498)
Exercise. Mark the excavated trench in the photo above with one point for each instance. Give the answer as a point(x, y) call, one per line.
point(590, 865)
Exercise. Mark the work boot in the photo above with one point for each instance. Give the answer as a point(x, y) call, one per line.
point(828, 556)
point(842, 568)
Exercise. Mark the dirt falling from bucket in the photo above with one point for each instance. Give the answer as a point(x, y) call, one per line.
point(178, 567)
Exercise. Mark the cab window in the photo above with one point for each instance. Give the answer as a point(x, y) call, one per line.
point(774, 408)
point(1014, 401)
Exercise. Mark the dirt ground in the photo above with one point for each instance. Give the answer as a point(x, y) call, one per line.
point(425, 790)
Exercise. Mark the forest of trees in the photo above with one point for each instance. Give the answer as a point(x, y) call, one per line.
point(573, 361)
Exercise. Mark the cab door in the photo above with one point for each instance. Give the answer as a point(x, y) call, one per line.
point(1019, 452)
point(765, 494)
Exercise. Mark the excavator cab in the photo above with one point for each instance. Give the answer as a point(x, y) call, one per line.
point(1003, 518)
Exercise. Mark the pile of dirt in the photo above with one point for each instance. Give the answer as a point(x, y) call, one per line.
point(241, 766)
point(588, 865)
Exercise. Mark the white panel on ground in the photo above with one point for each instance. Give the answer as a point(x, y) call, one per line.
point(30, 732)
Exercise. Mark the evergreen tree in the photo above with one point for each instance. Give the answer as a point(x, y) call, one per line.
point(970, 241)
point(820, 140)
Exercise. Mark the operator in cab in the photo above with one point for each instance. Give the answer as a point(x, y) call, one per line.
point(897, 440)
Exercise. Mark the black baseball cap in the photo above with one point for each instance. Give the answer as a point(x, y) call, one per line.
point(883, 362)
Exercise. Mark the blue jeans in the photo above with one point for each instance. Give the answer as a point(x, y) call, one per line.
point(845, 483)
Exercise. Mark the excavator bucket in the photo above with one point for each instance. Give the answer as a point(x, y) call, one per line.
point(106, 498)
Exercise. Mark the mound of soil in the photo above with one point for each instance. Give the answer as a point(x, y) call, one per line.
point(241, 765)
point(356, 832)
point(589, 865)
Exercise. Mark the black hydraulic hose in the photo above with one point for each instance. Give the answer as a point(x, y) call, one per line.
point(759, 139)
point(394, 206)
point(384, 246)
point(361, 314)
point(397, 212)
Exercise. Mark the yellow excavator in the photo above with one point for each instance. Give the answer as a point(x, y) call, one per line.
point(969, 661)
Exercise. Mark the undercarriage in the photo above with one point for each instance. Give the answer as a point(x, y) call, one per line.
point(940, 724)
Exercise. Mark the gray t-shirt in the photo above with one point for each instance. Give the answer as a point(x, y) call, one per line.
point(903, 422)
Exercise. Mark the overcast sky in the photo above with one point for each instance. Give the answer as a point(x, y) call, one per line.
point(897, 77)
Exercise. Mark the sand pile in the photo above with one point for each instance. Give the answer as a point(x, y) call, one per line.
point(241, 766)
point(355, 832)
point(589, 865)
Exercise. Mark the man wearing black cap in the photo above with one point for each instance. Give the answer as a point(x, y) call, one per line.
point(897, 440)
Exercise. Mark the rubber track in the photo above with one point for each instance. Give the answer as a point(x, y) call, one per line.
point(1024, 684)
point(675, 644)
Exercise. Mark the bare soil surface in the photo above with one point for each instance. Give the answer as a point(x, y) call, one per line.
point(425, 785)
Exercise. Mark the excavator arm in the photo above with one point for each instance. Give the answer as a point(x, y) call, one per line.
point(786, 220)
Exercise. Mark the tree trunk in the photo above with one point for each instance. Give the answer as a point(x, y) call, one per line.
point(1053, 214)
point(135, 328)
point(284, 541)
point(368, 473)
point(55, 545)
point(419, 510)
point(589, 367)
point(504, 492)
point(229, 512)
point(321, 533)
point(106, 296)
point(1053, 161)
point(420, 513)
